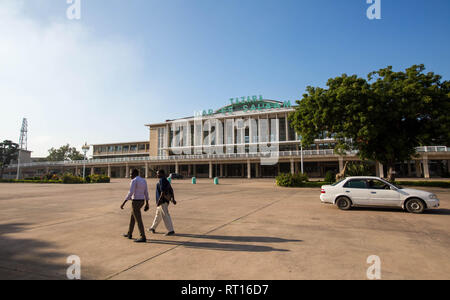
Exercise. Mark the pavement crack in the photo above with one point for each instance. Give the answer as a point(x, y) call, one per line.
point(177, 246)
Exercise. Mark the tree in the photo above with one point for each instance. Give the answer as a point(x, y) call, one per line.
point(385, 116)
point(9, 151)
point(64, 153)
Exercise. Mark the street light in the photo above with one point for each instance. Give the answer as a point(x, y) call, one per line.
point(85, 149)
point(301, 153)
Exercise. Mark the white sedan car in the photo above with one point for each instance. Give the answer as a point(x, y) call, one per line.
point(374, 191)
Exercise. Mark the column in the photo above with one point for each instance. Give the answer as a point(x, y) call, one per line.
point(249, 170)
point(380, 171)
point(194, 170)
point(221, 170)
point(127, 171)
point(109, 170)
point(210, 170)
point(189, 170)
point(243, 170)
point(292, 167)
point(341, 164)
point(92, 170)
point(426, 169)
point(76, 171)
point(418, 169)
point(177, 168)
point(257, 170)
point(409, 168)
point(147, 174)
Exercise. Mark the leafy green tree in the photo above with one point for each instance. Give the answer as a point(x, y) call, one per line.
point(9, 151)
point(385, 116)
point(64, 153)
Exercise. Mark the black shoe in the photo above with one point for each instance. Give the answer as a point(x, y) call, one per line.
point(170, 233)
point(128, 236)
point(152, 230)
point(141, 240)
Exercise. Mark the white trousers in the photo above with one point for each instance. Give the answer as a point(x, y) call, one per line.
point(162, 212)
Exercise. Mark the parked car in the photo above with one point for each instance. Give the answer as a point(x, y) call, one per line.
point(374, 191)
point(176, 176)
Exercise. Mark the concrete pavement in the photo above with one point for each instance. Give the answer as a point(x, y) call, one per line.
point(239, 229)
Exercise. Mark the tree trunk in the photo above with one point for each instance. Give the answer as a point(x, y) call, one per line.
point(391, 172)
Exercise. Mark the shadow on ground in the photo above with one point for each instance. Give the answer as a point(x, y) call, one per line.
point(219, 246)
point(28, 258)
point(246, 239)
point(441, 211)
point(227, 246)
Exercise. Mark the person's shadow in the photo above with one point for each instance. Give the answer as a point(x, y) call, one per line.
point(227, 246)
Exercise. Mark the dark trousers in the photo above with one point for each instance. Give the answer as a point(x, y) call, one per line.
point(137, 217)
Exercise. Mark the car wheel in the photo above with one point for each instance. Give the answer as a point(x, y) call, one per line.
point(343, 203)
point(415, 206)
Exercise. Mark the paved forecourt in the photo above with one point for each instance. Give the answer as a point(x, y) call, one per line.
point(240, 229)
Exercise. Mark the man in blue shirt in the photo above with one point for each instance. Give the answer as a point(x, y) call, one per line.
point(138, 193)
point(164, 195)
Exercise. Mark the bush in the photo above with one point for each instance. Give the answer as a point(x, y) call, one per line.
point(358, 169)
point(441, 184)
point(330, 177)
point(71, 179)
point(98, 179)
point(289, 180)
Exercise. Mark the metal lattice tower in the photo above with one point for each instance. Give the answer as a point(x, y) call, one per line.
point(23, 140)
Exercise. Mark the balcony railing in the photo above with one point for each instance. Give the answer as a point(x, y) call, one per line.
point(306, 153)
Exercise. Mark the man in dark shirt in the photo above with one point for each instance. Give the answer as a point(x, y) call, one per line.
point(164, 194)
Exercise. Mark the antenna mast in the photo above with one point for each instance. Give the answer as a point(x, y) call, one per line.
point(23, 141)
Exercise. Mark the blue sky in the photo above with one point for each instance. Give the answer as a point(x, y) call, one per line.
point(127, 63)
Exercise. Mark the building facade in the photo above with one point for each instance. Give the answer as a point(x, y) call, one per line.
point(249, 138)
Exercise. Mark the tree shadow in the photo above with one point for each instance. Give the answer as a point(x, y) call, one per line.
point(245, 239)
point(24, 258)
point(219, 246)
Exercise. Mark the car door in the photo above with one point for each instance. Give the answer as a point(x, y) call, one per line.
point(357, 190)
point(382, 194)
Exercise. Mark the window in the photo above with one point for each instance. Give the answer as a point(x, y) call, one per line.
point(378, 185)
point(133, 148)
point(356, 184)
point(141, 147)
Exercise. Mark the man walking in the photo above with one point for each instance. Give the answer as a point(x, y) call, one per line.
point(138, 193)
point(164, 194)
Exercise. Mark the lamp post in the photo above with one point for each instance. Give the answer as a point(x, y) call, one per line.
point(301, 154)
point(85, 149)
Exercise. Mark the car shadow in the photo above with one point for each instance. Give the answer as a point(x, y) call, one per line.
point(441, 211)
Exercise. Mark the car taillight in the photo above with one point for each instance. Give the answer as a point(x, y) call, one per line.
point(322, 191)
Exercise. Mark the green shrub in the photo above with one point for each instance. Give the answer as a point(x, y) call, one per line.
point(71, 179)
point(330, 177)
point(98, 179)
point(441, 184)
point(289, 180)
point(358, 169)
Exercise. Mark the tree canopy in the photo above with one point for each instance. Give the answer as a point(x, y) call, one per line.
point(9, 151)
point(64, 153)
point(385, 116)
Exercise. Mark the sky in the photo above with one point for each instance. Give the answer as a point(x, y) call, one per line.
point(124, 64)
